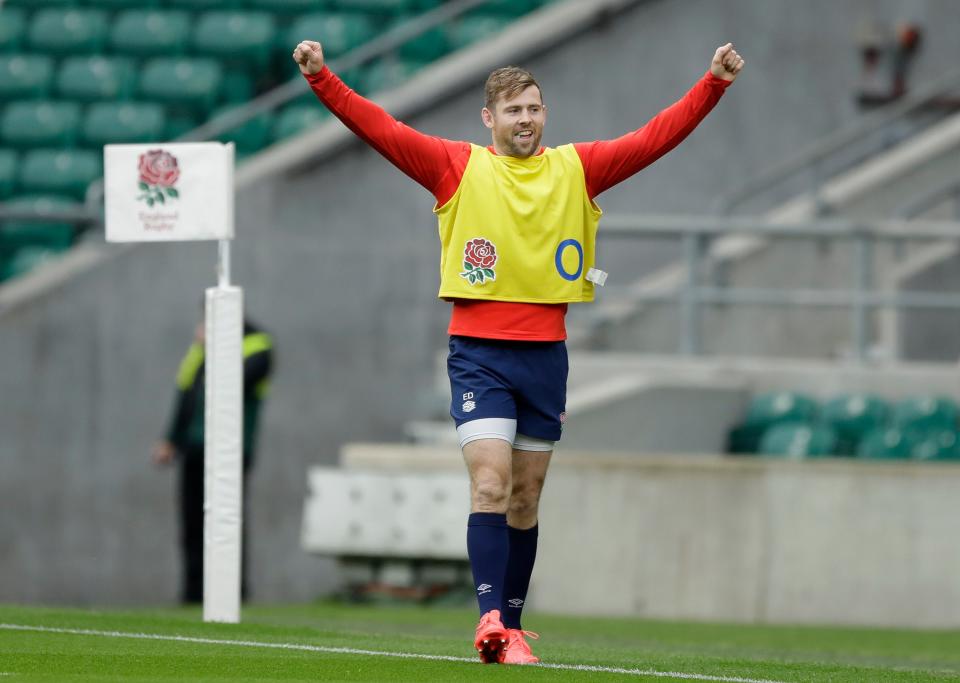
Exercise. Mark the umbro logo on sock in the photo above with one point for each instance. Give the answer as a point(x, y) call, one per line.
point(484, 588)
point(515, 602)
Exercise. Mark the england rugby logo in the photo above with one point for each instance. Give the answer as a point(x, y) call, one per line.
point(159, 173)
point(479, 260)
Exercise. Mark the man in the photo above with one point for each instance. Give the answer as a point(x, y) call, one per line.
point(184, 442)
point(517, 230)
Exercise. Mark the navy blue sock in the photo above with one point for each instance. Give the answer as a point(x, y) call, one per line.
point(523, 553)
point(488, 546)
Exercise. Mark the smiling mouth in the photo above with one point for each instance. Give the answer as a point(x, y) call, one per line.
point(524, 135)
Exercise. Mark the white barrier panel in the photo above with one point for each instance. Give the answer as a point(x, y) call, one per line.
point(168, 192)
point(223, 496)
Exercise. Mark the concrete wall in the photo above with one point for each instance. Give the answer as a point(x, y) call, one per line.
point(339, 262)
point(707, 537)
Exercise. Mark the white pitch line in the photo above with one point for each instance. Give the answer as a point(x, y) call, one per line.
point(378, 653)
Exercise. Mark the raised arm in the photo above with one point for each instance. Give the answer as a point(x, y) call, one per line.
point(608, 162)
point(427, 159)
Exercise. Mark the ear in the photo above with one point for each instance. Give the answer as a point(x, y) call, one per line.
point(487, 116)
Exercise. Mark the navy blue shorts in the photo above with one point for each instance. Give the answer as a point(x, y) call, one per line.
point(518, 380)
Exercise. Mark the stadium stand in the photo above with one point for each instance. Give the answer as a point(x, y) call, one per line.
point(75, 76)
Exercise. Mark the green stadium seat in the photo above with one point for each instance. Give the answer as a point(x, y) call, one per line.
point(16, 235)
point(89, 79)
point(508, 8)
point(25, 260)
point(13, 24)
point(384, 75)
point(384, 8)
point(237, 86)
point(25, 76)
point(248, 137)
point(179, 124)
point(925, 413)
point(768, 409)
point(61, 171)
point(40, 123)
point(116, 5)
point(149, 33)
point(124, 122)
point(200, 5)
point(68, 31)
point(886, 444)
point(242, 38)
point(188, 83)
point(37, 4)
point(429, 45)
point(470, 29)
point(296, 119)
point(289, 7)
point(339, 33)
point(798, 440)
point(943, 445)
point(853, 416)
point(8, 173)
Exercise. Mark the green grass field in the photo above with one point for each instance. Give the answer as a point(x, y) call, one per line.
point(332, 642)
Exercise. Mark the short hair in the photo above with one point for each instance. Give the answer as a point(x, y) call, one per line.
point(509, 82)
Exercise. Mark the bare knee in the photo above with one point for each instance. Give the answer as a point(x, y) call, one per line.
point(490, 492)
point(525, 503)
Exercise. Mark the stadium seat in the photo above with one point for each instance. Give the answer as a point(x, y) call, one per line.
point(237, 86)
point(13, 24)
point(886, 444)
point(429, 45)
point(198, 5)
point(289, 7)
point(32, 4)
point(242, 38)
point(16, 235)
point(68, 32)
point(853, 416)
point(25, 260)
point(89, 79)
point(384, 75)
point(925, 414)
point(339, 33)
point(64, 171)
point(179, 124)
point(149, 33)
point(115, 5)
point(297, 118)
point(943, 445)
point(25, 76)
point(248, 137)
point(768, 409)
point(8, 172)
point(194, 84)
point(125, 122)
point(40, 123)
point(470, 29)
point(798, 440)
point(384, 8)
point(508, 8)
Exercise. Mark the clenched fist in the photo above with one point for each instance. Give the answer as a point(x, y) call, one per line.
point(309, 55)
point(726, 63)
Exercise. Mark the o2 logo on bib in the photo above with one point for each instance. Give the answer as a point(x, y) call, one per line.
point(566, 250)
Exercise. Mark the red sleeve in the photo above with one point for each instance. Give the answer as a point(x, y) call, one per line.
point(435, 163)
point(608, 162)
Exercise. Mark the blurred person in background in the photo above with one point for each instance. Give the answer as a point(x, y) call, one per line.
point(183, 444)
point(518, 224)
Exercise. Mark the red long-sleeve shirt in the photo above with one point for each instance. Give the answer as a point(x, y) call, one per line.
point(438, 165)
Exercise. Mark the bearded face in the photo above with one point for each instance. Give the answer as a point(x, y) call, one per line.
point(517, 123)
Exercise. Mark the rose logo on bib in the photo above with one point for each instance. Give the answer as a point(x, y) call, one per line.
point(479, 260)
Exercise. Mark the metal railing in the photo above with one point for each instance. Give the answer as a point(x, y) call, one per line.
point(813, 160)
point(861, 297)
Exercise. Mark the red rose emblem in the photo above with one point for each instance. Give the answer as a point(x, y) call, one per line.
point(479, 258)
point(158, 168)
point(480, 253)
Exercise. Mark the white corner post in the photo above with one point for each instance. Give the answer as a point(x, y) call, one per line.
point(223, 447)
point(169, 192)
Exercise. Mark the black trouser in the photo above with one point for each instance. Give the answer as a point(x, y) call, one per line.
point(191, 529)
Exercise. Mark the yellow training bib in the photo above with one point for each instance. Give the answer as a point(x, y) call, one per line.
point(519, 229)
